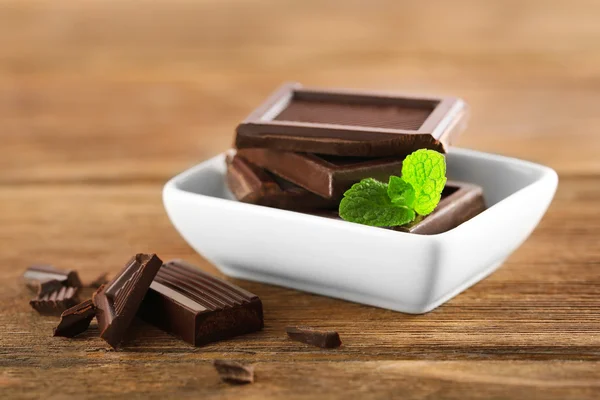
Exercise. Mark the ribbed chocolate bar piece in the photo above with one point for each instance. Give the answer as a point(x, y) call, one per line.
point(251, 184)
point(327, 176)
point(198, 307)
point(460, 202)
point(76, 319)
point(43, 279)
point(118, 301)
point(352, 123)
point(54, 303)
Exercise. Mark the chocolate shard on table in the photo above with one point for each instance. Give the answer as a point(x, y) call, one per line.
point(43, 279)
point(327, 176)
point(314, 337)
point(352, 123)
point(55, 302)
point(460, 202)
point(234, 372)
point(198, 307)
point(252, 184)
point(118, 301)
point(76, 319)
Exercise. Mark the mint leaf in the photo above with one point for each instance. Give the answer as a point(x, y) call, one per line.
point(368, 203)
point(425, 170)
point(401, 192)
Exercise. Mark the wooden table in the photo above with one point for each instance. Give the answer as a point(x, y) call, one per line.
point(102, 101)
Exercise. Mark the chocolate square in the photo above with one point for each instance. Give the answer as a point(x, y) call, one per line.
point(252, 184)
point(325, 175)
point(352, 123)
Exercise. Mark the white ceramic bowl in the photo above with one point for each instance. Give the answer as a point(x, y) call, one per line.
point(395, 270)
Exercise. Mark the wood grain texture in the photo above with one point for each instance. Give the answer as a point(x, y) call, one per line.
point(102, 101)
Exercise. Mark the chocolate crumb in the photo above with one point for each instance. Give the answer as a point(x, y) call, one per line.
point(234, 372)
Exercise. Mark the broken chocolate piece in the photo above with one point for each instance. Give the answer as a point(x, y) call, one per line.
point(352, 123)
point(460, 202)
point(38, 278)
point(327, 176)
point(76, 319)
point(46, 287)
point(251, 184)
point(99, 281)
point(305, 334)
point(118, 301)
point(54, 303)
point(198, 307)
point(234, 372)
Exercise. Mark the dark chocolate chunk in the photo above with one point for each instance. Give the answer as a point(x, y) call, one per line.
point(327, 176)
point(54, 303)
point(460, 202)
point(251, 184)
point(76, 319)
point(118, 301)
point(198, 307)
point(305, 334)
point(50, 286)
point(352, 123)
point(234, 372)
point(43, 279)
point(99, 281)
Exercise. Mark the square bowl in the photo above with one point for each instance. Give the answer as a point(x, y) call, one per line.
point(400, 271)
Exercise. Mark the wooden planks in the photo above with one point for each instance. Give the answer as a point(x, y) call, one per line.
point(102, 101)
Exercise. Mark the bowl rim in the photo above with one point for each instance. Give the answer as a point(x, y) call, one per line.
point(543, 174)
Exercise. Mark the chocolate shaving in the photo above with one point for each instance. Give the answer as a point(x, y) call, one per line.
point(234, 372)
point(308, 335)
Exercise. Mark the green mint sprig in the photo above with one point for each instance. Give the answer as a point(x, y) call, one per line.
point(398, 202)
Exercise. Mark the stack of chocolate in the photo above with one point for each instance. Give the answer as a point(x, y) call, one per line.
point(303, 148)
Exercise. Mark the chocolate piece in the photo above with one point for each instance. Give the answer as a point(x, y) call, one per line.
point(352, 123)
point(327, 176)
point(38, 278)
point(198, 307)
point(54, 303)
point(99, 281)
point(234, 372)
point(460, 202)
point(118, 301)
point(46, 287)
point(305, 334)
point(251, 184)
point(76, 319)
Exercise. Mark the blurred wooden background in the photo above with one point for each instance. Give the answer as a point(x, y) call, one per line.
point(102, 101)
